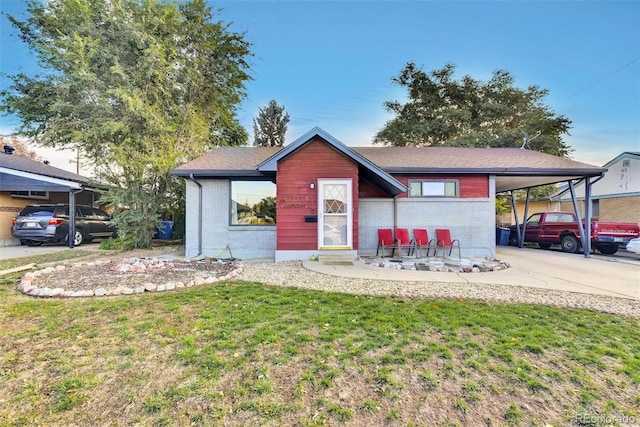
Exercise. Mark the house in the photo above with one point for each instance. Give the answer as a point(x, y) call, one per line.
point(616, 196)
point(317, 196)
point(24, 181)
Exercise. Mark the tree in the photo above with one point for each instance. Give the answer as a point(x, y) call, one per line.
point(20, 147)
point(442, 111)
point(270, 126)
point(140, 86)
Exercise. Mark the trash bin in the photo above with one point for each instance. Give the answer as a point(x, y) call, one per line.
point(502, 236)
point(164, 229)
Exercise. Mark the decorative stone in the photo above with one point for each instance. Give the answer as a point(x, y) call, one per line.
point(131, 266)
point(56, 292)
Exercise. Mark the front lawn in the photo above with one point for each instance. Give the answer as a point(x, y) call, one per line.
point(241, 353)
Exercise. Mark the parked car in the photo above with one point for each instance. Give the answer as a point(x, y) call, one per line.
point(37, 224)
point(634, 246)
point(548, 228)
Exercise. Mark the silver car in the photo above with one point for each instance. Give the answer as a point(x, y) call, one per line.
point(37, 224)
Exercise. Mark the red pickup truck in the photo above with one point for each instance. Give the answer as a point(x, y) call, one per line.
point(548, 228)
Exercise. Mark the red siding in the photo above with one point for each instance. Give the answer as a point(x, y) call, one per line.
point(295, 199)
point(470, 185)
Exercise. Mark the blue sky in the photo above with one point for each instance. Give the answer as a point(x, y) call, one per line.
point(330, 63)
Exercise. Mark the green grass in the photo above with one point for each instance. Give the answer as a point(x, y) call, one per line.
point(242, 353)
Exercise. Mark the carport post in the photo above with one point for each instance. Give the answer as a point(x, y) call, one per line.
point(515, 216)
point(586, 243)
point(579, 218)
point(526, 214)
point(72, 216)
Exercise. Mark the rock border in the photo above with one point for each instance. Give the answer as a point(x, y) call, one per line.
point(447, 265)
point(27, 287)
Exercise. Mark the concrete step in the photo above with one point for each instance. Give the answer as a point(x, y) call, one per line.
point(336, 259)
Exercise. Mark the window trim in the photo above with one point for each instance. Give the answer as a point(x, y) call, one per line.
point(444, 181)
point(30, 194)
point(231, 213)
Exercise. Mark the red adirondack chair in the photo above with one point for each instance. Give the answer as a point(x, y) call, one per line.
point(443, 241)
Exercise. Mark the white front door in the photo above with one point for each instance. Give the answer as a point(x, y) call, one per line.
point(335, 209)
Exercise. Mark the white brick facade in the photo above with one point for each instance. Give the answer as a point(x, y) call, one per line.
point(219, 239)
point(471, 221)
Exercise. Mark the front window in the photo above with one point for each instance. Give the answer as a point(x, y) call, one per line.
point(433, 188)
point(253, 203)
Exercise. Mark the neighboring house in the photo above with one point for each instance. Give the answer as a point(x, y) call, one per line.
point(616, 196)
point(331, 198)
point(24, 181)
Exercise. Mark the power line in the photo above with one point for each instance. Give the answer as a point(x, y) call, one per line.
point(603, 79)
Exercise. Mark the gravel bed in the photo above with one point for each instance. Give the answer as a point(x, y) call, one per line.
point(293, 275)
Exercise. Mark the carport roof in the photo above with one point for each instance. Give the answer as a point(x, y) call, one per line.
point(23, 174)
point(514, 168)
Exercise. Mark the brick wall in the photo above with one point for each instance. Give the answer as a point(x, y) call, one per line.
point(470, 220)
point(623, 209)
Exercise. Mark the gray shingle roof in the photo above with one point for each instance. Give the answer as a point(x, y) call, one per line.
point(398, 160)
point(24, 164)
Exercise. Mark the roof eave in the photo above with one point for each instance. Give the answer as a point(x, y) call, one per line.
point(498, 171)
point(217, 173)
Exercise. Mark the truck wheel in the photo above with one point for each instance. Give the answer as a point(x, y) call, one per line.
point(607, 249)
point(544, 245)
point(570, 244)
point(513, 239)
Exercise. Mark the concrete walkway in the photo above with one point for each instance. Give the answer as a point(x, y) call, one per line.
point(529, 267)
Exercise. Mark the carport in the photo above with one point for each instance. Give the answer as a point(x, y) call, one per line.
point(527, 178)
point(23, 174)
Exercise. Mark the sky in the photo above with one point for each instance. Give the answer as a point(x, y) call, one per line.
point(331, 63)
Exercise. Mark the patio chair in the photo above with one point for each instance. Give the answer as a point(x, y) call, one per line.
point(386, 240)
point(443, 240)
point(404, 241)
point(421, 240)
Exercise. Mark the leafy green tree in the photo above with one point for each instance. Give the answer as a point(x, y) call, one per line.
point(140, 86)
point(270, 127)
point(443, 111)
